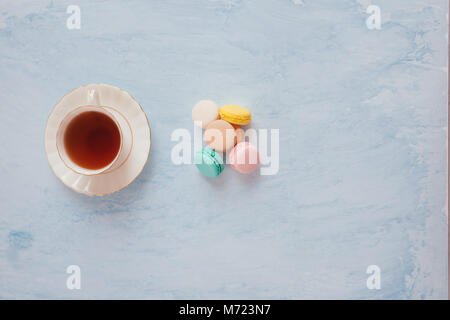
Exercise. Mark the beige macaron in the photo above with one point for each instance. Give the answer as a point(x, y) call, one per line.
point(220, 135)
point(204, 112)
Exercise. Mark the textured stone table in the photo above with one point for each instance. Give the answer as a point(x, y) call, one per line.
point(362, 180)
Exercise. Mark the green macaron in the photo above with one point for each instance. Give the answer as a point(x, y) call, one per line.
point(209, 162)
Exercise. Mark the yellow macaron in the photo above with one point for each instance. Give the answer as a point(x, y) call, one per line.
point(235, 114)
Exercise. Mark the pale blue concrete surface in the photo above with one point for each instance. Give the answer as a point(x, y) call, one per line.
point(363, 124)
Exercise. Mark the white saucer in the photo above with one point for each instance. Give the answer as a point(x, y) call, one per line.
point(124, 175)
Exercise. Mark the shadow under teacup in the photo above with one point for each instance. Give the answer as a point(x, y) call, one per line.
point(93, 139)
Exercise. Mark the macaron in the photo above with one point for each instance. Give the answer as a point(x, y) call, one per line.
point(205, 111)
point(244, 157)
point(235, 114)
point(220, 135)
point(209, 162)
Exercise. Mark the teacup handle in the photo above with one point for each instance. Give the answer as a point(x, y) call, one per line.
point(93, 97)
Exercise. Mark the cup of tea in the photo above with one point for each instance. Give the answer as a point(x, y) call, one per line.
point(94, 139)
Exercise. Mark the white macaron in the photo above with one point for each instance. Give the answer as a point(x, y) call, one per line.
point(205, 111)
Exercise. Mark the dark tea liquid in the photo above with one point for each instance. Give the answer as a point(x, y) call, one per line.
point(92, 140)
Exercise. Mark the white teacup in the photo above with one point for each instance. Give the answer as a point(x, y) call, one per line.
point(126, 138)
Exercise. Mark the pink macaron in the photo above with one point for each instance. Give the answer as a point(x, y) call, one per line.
point(244, 157)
